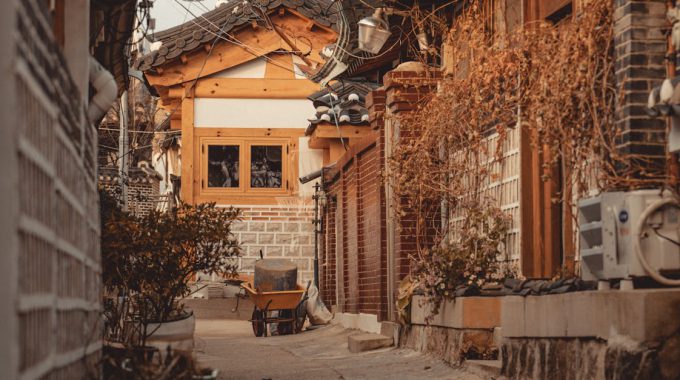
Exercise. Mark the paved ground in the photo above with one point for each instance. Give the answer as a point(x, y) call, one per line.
point(230, 346)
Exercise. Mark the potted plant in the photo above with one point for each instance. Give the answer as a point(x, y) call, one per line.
point(148, 263)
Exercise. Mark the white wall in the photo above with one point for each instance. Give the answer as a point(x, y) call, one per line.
point(251, 69)
point(310, 160)
point(252, 113)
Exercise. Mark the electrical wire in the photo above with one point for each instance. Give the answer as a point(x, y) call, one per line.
point(232, 39)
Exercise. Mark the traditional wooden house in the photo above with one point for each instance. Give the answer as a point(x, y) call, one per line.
point(230, 81)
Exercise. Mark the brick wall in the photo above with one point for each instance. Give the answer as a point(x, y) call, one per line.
point(406, 91)
point(354, 274)
point(57, 301)
point(280, 231)
point(143, 187)
point(640, 49)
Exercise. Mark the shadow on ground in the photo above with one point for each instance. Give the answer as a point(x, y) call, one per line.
point(230, 346)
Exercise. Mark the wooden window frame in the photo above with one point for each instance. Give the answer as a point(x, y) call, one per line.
point(245, 190)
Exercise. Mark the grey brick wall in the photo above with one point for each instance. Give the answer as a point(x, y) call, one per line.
point(284, 231)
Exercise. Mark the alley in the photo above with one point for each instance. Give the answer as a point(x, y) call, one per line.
point(230, 346)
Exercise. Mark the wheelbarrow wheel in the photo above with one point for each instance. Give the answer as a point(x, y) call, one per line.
point(285, 328)
point(258, 322)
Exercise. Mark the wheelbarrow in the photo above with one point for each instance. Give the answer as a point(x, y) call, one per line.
point(285, 308)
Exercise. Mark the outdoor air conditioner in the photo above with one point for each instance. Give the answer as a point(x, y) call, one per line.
point(608, 224)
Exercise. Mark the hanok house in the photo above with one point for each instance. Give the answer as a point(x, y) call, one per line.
point(229, 80)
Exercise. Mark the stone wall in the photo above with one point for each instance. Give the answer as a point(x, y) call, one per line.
point(572, 358)
point(143, 188)
point(56, 221)
point(279, 231)
point(449, 344)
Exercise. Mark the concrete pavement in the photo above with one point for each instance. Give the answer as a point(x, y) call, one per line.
point(230, 346)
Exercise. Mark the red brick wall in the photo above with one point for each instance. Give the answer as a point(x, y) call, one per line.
point(405, 92)
point(354, 231)
point(355, 220)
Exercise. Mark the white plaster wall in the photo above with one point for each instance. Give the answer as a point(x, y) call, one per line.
point(252, 113)
point(251, 69)
point(310, 160)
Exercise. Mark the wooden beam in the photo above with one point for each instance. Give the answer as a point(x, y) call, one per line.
point(318, 143)
point(227, 54)
point(224, 55)
point(250, 88)
point(186, 192)
point(330, 131)
point(249, 132)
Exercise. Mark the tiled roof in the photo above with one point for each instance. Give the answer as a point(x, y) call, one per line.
point(346, 101)
point(347, 59)
point(193, 34)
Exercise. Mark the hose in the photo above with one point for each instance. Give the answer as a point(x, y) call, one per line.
point(637, 235)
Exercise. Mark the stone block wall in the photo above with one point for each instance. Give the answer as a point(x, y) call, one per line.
point(279, 231)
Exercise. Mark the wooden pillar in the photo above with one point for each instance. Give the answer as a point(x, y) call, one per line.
point(188, 159)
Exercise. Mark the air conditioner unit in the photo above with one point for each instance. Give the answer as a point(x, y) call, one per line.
point(607, 224)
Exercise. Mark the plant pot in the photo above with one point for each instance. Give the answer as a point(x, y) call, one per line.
point(207, 374)
point(118, 358)
point(179, 334)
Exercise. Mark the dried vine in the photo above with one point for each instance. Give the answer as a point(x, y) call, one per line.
point(555, 84)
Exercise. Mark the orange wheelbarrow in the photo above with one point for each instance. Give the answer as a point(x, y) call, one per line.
point(285, 308)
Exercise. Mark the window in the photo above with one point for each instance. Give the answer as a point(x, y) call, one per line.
point(223, 166)
point(266, 169)
point(245, 166)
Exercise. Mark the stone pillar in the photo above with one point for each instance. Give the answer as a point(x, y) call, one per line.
point(640, 48)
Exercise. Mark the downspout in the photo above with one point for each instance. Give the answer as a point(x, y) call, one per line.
point(106, 91)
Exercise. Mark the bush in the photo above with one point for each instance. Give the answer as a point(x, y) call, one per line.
point(148, 262)
point(468, 258)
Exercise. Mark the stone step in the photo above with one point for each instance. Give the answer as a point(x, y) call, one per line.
point(367, 342)
point(484, 368)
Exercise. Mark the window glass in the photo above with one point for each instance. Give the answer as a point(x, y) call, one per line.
point(265, 166)
point(223, 166)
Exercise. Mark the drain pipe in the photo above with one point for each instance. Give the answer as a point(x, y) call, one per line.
point(106, 91)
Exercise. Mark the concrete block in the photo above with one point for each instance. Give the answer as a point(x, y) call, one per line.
point(367, 342)
point(390, 329)
point(274, 227)
point(256, 226)
point(645, 315)
point(512, 316)
point(460, 313)
point(248, 238)
point(283, 238)
point(265, 238)
point(291, 227)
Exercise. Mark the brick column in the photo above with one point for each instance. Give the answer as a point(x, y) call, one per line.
point(376, 105)
point(404, 92)
point(640, 66)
